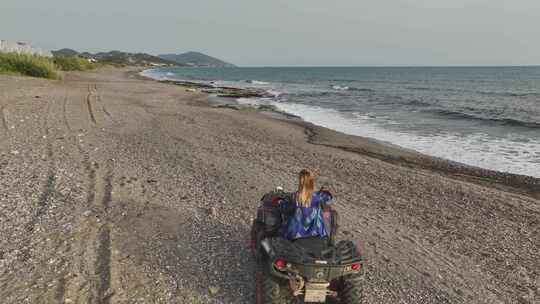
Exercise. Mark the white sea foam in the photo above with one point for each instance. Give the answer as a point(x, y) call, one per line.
point(340, 88)
point(151, 73)
point(257, 82)
point(155, 74)
point(274, 93)
point(481, 150)
point(248, 101)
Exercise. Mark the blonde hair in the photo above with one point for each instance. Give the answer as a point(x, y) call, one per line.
point(306, 187)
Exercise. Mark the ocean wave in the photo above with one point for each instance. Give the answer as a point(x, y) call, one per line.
point(274, 93)
point(155, 74)
point(486, 93)
point(361, 89)
point(477, 149)
point(257, 82)
point(496, 93)
point(470, 116)
point(416, 103)
point(348, 88)
point(343, 80)
point(511, 94)
point(419, 88)
point(340, 88)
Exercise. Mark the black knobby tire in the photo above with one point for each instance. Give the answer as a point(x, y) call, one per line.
point(351, 290)
point(253, 238)
point(269, 291)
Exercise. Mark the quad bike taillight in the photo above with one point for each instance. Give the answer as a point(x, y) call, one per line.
point(280, 264)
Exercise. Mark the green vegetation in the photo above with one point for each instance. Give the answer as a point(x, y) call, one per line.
point(39, 66)
point(117, 58)
point(72, 63)
point(28, 65)
point(120, 59)
point(197, 60)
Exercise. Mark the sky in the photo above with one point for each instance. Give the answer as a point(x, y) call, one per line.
point(289, 32)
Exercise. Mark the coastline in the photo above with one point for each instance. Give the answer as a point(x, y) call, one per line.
point(388, 152)
point(121, 189)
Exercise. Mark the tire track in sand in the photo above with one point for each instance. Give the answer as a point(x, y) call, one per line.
point(103, 262)
point(64, 114)
point(89, 104)
point(50, 183)
point(102, 265)
point(93, 261)
point(108, 187)
point(100, 100)
point(48, 192)
point(77, 288)
point(3, 118)
point(3, 114)
point(60, 290)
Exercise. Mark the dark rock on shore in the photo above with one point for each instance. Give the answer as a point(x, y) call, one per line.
point(225, 92)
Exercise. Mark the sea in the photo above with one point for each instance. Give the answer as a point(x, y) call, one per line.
point(487, 117)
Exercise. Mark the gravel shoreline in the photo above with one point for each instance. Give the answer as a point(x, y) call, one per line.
point(116, 189)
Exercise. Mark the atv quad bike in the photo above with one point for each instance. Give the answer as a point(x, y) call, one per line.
point(309, 270)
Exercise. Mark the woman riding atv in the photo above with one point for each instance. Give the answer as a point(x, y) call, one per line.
point(298, 260)
point(303, 210)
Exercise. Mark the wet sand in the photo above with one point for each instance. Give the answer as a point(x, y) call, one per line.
point(117, 189)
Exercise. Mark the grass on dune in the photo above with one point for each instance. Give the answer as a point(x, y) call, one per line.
point(28, 65)
point(73, 63)
point(40, 66)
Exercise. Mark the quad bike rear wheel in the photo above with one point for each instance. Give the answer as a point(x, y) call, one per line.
point(351, 290)
point(269, 291)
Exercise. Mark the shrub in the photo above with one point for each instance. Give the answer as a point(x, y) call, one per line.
point(72, 63)
point(28, 65)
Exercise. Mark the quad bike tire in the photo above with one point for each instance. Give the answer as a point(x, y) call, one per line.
point(269, 291)
point(352, 288)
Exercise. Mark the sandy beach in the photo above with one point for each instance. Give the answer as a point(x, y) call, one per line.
point(119, 189)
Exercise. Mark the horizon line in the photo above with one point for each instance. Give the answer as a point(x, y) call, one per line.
point(392, 66)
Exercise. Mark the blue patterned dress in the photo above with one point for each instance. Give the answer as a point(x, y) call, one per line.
point(306, 222)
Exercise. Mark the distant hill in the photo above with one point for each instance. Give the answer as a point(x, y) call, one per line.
point(196, 59)
point(120, 58)
point(65, 52)
point(124, 58)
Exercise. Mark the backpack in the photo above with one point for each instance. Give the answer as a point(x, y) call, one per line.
point(270, 214)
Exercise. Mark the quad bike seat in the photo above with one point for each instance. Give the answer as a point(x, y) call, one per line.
point(313, 245)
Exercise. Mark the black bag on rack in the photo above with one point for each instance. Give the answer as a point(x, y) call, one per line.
point(269, 213)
